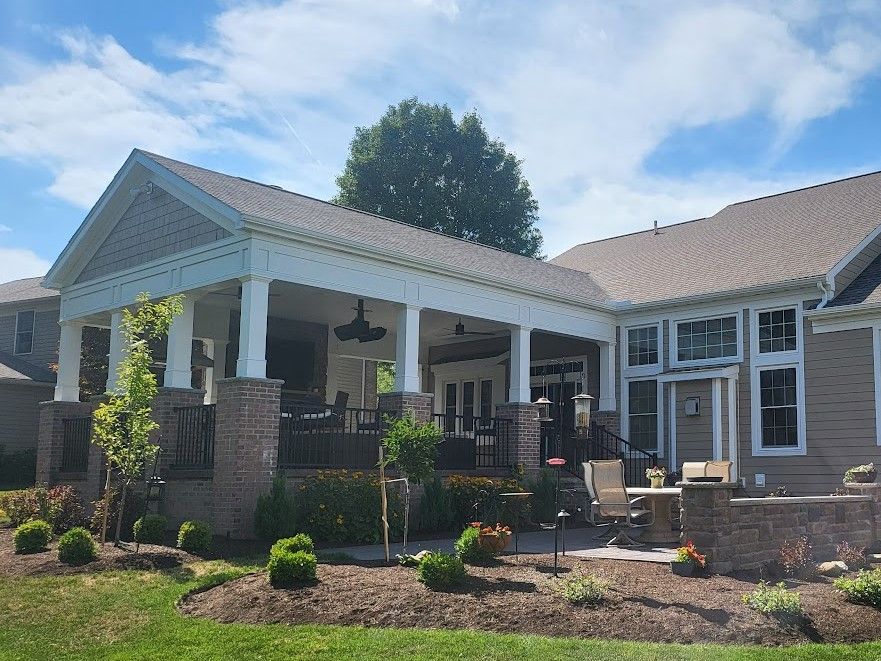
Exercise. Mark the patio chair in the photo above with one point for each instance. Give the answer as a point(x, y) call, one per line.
point(333, 417)
point(610, 504)
point(717, 468)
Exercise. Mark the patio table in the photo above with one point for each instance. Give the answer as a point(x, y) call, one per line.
point(658, 500)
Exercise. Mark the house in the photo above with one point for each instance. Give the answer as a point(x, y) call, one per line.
point(751, 335)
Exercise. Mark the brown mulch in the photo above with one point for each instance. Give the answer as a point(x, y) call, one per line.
point(645, 602)
point(46, 563)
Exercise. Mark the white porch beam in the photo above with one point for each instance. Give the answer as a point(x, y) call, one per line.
point(608, 376)
point(407, 378)
point(179, 357)
point(115, 355)
point(67, 388)
point(733, 452)
point(717, 418)
point(519, 391)
point(252, 327)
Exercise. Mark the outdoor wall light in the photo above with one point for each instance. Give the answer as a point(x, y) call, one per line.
point(582, 412)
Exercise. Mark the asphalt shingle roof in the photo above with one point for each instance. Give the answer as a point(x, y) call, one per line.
point(302, 212)
point(12, 367)
point(866, 287)
point(27, 289)
point(770, 240)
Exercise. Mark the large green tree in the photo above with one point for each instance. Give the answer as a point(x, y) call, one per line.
point(419, 166)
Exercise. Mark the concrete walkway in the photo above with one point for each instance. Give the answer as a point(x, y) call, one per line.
point(580, 542)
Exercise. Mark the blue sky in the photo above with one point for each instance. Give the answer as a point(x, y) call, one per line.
point(623, 113)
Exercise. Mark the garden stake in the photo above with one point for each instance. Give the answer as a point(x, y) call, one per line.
point(384, 503)
point(557, 463)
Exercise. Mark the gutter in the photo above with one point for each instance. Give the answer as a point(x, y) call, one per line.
point(854, 309)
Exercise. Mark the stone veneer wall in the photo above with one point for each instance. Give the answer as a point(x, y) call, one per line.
point(525, 433)
point(746, 533)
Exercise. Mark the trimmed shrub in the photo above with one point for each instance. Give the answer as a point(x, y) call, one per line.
point(32, 536)
point(275, 515)
point(435, 508)
point(583, 590)
point(466, 490)
point(76, 547)
point(864, 589)
point(469, 550)
point(59, 506)
point(440, 570)
point(288, 568)
point(776, 601)
point(544, 489)
point(17, 468)
point(194, 537)
point(150, 529)
point(299, 542)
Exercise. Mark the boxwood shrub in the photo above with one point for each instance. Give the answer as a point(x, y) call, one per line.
point(32, 536)
point(299, 542)
point(194, 537)
point(76, 547)
point(287, 568)
point(150, 529)
point(440, 570)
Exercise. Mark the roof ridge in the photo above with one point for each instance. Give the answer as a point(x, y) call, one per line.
point(803, 188)
point(634, 233)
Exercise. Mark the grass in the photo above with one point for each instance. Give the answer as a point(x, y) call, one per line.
point(131, 615)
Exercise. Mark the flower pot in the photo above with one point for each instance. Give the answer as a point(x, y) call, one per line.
point(657, 482)
point(682, 568)
point(864, 477)
point(494, 543)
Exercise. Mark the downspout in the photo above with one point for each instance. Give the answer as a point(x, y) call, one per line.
point(827, 286)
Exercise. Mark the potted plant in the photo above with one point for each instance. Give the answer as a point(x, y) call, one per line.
point(656, 475)
point(864, 474)
point(492, 539)
point(687, 559)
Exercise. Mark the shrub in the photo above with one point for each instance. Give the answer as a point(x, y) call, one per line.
point(465, 491)
point(440, 570)
point(76, 547)
point(865, 588)
point(412, 447)
point(344, 508)
point(134, 509)
point(435, 508)
point(32, 536)
point(583, 590)
point(275, 515)
point(796, 558)
point(775, 600)
point(150, 529)
point(17, 468)
point(300, 542)
point(541, 504)
point(194, 537)
point(291, 567)
point(469, 550)
point(853, 556)
point(59, 506)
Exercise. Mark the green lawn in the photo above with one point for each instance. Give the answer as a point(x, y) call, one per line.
point(131, 615)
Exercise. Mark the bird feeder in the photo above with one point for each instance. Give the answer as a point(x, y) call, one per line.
point(544, 409)
point(582, 412)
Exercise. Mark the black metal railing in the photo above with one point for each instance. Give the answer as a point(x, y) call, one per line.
point(75, 444)
point(471, 442)
point(195, 436)
point(600, 444)
point(324, 437)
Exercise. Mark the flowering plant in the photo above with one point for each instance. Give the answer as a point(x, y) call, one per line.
point(498, 531)
point(655, 471)
point(689, 553)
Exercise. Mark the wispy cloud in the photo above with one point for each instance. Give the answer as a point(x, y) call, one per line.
point(21, 263)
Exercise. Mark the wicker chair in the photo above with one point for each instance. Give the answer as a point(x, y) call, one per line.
point(610, 505)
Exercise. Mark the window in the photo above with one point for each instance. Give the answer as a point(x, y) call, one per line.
point(642, 346)
point(778, 331)
point(468, 405)
point(24, 332)
point(486, 400)
point(450, 407)
point(643, 414)
point(707, 339)
point(778, 396)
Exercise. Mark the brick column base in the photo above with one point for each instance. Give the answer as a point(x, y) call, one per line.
point(525, 433)
point(706, 521)
point(245, 451)
point(611, 420)
point(50, 447)
point(418, 404)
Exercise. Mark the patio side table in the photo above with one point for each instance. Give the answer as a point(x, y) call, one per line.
point(658, 500)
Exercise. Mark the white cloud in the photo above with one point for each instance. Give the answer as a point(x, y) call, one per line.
point(5, 228)
point(21, 263)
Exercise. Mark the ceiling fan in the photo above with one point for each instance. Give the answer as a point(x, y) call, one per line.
point(459, 331)
point(359, 328)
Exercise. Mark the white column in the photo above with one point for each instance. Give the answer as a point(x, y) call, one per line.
point(733, 450)
point(218, 371)
point(70, 347)
point(407, 350)
point(608, 375)
point(115, 355)
point(179, 357)
point(717, 418)
point(520, 357)
point(252, 327)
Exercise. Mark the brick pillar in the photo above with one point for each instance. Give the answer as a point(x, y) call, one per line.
point(163, 413)
point(50, 445)
point(873, 490)
point(706, 521)
point(418, 404)
point(525, 433)
point(611, 420)
point(245, 451)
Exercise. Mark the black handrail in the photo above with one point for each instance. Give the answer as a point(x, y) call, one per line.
point(195, 436)
point(471, 442)
point(601, 444)
point(77, 435)
point(312, 436)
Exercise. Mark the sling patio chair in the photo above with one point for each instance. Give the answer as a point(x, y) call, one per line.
point(610, 504)
point(331, 418)
point(705, 469)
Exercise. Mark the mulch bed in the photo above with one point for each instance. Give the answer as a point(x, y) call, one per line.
point(645, 602)
point(46, 563)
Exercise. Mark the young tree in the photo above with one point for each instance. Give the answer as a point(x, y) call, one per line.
point(123, 424)
point(417, 165)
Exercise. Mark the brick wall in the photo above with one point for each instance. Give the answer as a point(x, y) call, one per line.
point(746, 533)
point(419, 404)
point(50, 445)
point(245, 451)
point(525, 433)
point(187, 497)
point(611, 420)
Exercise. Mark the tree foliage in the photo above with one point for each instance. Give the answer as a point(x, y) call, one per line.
point(412, 447)
point(419, 166)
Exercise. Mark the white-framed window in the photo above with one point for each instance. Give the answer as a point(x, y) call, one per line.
point(778, 410)
point(702, 340)
point(24, 332)
point(643, 345)
point(777, 330)
point(642, 418)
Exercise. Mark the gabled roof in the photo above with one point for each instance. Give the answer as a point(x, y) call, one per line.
point(26, 289)
point(777, 239)
point(866, 287)
point(12, 367)
point(299, 212)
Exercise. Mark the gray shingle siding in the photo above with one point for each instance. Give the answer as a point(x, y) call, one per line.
point(156, 225)
point(19, 405)
point(46, 336)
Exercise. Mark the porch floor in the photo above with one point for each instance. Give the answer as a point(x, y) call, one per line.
point(580, 542)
